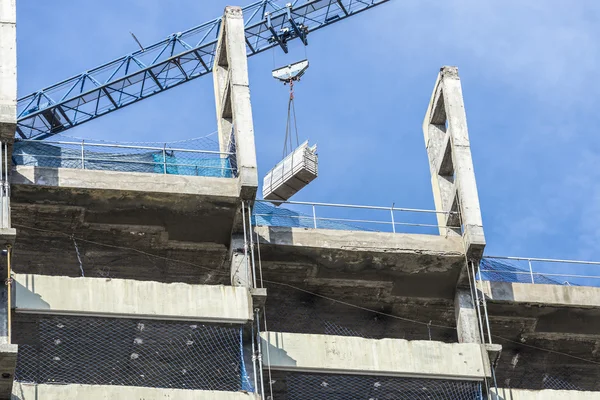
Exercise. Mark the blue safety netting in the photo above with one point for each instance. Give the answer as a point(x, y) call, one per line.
point(267, 215)
point(500, 271)
point(125, 159)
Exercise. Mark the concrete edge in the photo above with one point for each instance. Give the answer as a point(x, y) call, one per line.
point(26, 391)
point(295, 352)
point(125, 181)
point(541, 294)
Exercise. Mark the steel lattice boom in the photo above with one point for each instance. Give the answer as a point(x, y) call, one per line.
point(179, 58)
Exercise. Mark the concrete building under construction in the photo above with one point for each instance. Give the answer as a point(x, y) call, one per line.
point(157, 273)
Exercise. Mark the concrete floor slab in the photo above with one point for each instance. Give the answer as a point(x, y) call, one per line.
point(546, 295)
point(517, 394)
point(25, 391)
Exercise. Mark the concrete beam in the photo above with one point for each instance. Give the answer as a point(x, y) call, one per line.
point(232, 97)
point(79, 179)
point(8, 70)
point(391, 357)
point(124, 298)
point(520, 394)
point(241, 274)
point(26, 391)
point(358, 241)
point(546, 295)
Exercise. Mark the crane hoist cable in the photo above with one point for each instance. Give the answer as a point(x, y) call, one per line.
point(288, 75)
point(289, 128)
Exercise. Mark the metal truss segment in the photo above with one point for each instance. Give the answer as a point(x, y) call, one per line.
point(171, 62)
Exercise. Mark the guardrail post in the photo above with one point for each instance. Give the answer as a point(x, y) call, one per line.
point(531, 271)
point(314, 216)
point(82, 155)
point(165, 158)
point(393, 222)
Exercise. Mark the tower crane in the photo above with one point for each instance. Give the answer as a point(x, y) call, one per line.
point(179, 58)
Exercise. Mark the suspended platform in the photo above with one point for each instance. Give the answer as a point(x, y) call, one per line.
point(290, 175)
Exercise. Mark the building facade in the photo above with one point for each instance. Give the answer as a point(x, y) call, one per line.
point(171, 280)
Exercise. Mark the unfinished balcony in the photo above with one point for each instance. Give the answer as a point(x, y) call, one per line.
point(536, 304)
point(384, 258)
point(176, 200)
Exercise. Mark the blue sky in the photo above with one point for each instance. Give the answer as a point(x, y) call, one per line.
point(529, 79)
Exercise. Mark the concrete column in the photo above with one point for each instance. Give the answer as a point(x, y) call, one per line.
point(3, 315)
point(241, 275)
point(8, 108)
point(8, 123)
point(451, 164)
point(232, 96)
point(466, 317)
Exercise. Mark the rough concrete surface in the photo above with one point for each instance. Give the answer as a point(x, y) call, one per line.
point(292, 310)
point(451, 164)
point(409, 276)
point(425, 266)
point(547, 295)
point(353, 355)
point(232, 99)
point(161, 244)
point(8, 363)
point(42, 294)
point(24, 391)
point(83, 179)
point(8, 70)
point(518, 394)
point(561, 319)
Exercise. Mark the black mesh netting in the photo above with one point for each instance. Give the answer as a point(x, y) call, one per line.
point(351, 387)
point(107, 351)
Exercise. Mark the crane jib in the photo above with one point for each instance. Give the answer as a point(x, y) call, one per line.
point(179, 58)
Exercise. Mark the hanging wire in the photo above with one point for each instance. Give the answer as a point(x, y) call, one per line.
point(291, 126)
point(78, 256)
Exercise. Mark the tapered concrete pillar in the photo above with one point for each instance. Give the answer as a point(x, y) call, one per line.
point(451, 164)
point(8, 110)
point(232, 96)
point(454, 188)
point(8, 70)
point(8, 123)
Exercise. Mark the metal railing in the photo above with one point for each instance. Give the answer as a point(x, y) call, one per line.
point(540, 271)
point(125, 158)
point(348, 217)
